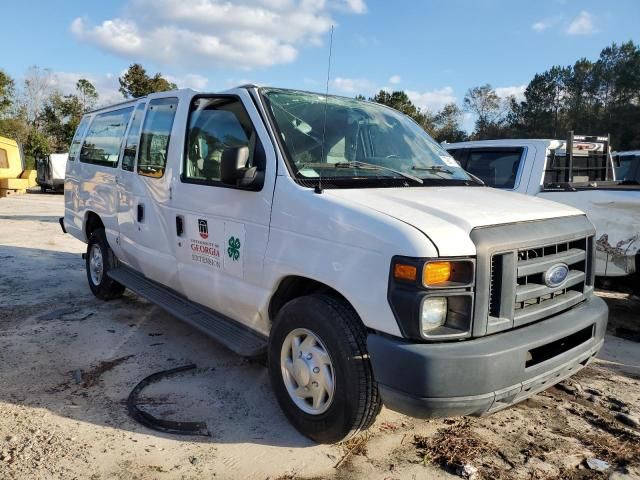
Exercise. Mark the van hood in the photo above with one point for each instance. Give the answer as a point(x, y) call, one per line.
point(446, 215)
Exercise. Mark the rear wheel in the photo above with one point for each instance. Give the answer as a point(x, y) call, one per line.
point(320, 369)
point(99, 260)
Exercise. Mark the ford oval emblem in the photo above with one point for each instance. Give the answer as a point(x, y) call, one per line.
point(556, 275)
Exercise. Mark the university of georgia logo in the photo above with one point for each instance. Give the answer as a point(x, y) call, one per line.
point(203, 229)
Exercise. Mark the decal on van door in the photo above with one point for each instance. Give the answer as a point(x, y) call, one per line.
point(234, 246)
point(214, 244)
point(203, 228)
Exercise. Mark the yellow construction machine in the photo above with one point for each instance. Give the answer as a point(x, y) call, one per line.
point(14, 177)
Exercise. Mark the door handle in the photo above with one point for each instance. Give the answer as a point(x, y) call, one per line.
point(140, 212)
point(179, 225)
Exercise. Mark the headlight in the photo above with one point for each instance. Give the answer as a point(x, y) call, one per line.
point(432, 298)
point(447, 315)
point(433, 313)
point(447, 273)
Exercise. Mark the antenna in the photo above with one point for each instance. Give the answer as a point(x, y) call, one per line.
point(326, 99)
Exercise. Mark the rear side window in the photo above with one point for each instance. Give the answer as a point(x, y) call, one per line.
point(215, 124)
point(4, 160)
point(496, 168)
point(156, 133)
point(104, 139)
point(131, 147)
point(77, 138)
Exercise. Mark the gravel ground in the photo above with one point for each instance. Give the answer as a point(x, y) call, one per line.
point(68, 362)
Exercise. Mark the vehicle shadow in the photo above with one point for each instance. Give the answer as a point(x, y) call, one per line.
point(31, 218)
point(64, 350)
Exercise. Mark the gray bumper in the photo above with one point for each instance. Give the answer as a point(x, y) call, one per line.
point(486, 374)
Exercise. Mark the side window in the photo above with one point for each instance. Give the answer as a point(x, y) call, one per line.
point(214, 125)
point(496, 168)
point(104, 139)
point(4, 161)
point(131, 147)
point(77, 137)
point(156, 133)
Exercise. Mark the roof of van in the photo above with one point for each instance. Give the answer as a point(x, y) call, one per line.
point(180, 91)
point(129, 101)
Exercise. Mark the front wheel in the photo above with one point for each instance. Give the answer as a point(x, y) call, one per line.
point(99, 260)
point(320, 369)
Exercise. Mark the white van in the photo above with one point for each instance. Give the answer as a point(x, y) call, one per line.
point(336, 236)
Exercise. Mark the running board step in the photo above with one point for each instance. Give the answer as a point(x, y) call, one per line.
point(229, 333)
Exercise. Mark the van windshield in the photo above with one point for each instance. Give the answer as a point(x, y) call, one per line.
point(352, 142)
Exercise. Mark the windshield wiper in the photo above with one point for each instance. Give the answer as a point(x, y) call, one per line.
point(373, 166)
point(433, 168)
point(441, 169)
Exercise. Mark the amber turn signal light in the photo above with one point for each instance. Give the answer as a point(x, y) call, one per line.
point(405, 272)
point(435, 273)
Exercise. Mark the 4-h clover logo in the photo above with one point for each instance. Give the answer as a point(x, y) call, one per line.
point(234, 248)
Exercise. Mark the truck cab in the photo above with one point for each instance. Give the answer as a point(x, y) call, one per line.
point(579, 172)
point(627, 166)
point(334, 238)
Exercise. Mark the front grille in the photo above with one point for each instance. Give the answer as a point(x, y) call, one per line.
point(533, 299)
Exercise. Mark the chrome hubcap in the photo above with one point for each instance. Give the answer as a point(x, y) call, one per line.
point(96, 265)
point(307, 371)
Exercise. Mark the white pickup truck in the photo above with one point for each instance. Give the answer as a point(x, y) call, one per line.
point(335, 236)
point(582, 176)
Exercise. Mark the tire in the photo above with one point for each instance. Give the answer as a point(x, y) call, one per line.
point(101, 285)
point(355, 401)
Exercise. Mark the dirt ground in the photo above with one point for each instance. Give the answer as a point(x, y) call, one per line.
point(68, 362)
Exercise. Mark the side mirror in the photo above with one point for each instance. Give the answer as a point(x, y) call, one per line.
point(234, 170)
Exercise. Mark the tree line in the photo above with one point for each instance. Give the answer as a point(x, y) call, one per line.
point(43, 120)
point(590, 97)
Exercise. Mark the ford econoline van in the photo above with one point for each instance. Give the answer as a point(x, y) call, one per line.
point(336, 238)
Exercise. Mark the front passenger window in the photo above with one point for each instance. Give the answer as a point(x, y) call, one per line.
point(215, 124)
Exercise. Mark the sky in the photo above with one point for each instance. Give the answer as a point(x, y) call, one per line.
point(433, 49)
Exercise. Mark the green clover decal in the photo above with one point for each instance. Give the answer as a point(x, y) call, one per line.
point(234, 248)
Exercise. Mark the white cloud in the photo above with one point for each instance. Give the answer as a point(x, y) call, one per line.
point(356, 6)
point(582, 25)
point(433, 99)
point(515, 90)
point(541, 25)
point(353, 85)
point(106, 85)
point(394, 79)
point(245, 35)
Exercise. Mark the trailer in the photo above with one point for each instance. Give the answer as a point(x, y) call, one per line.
point(51, 170)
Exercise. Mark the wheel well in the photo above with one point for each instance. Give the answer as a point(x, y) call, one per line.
point(92, 223)
point(293, 287)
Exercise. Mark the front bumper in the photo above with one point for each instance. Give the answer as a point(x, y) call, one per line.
point(486, 374)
